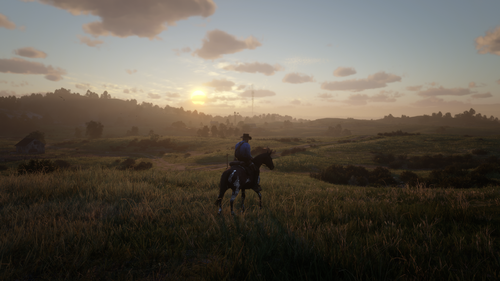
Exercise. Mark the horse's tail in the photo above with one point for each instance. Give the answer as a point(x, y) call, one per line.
point(222, 186)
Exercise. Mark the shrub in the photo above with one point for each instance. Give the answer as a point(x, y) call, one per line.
point(292, 151)
point(479, 151)
point(410, 178)
point(62, 164)
point(143, 166)
point(381, 176)
point(127, 164)
point(37, 166)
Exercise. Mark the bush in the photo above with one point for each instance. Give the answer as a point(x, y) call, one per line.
point(62, 164)
point(127, 164)
point(410, 178)
point(143, 166)
point(292, 151)
point(479, 151)
point(94, 129)
point(37, 166)
point(381, 176)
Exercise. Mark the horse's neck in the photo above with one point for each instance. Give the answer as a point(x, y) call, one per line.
point(258, 160)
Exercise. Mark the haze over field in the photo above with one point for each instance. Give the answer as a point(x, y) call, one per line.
point(360, 59)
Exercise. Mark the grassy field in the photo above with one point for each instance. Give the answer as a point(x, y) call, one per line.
point(94, 222)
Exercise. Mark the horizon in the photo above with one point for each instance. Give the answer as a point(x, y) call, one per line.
point(328, 60)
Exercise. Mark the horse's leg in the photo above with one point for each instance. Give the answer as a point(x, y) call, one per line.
point(233, 196)
point(242, 200)
point(260, 198)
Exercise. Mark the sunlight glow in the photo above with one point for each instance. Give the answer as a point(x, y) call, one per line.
point(198, 97)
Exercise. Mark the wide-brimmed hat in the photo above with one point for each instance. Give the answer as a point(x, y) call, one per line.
point(246, 136)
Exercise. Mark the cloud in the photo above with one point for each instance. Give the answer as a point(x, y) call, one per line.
point(220, 85)
point(218, 43)
point(173, 95)
point(472, 84)
point(435, 102)
point(4, 82)
point(498, 81)
point(295, 61)
point(21, 66)
point(377, 80)
point(5, 22)
point(89, 42)
point(490, 43)
point(30, 52)
point(183, 50)
point(128, 18)
point(297, 78)
point(5, 93)
point(482, 96)
point(255, 67)
point(296, 102)
point(325, 96)
point(241, 87)
point(385, 96)
point(21, 84)
point(258, 93)
point(344, 71)
point(131, 71)
point(432, 92)
point(414, 88)
point(126, 91)
point(153, 96)
point(83, 86)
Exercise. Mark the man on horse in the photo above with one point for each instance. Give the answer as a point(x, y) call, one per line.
point(242, 153)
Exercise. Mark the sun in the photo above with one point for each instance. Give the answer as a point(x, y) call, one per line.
point(198, 97)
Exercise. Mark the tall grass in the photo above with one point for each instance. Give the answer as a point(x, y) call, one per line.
point(104, 224)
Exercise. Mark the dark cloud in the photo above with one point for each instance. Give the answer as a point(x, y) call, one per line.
point(220, 85)
point(131, 71)
point(490, 43)
point(258, 93)
point(21, 66)
point(432, 92)
point(83, 86)
point(482, 96)
point(344, 71)
point(377, 80)
point(30, 52)
point(173, 95)
point(4, 93)
point(183, 50)
point(385, 96)
point(127, 18)
point(297, 78)
point(6, 23)
point(89, 42)
point(218, 43)
point(153, 96)
point(255, 67)
point(414, 88)
point(436, 102)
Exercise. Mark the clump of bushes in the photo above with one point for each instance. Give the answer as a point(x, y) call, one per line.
point(129, 164)
point(292, 151)
point(43, 166)
point(62, 164)
point(479, 151)
point(397, 134)
point(466, 161)
point(355, 175)
point(155, 142)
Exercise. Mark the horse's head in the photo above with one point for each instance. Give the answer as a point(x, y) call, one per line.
point(268, 159)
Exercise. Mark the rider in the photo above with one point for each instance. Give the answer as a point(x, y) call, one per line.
point(242, 153)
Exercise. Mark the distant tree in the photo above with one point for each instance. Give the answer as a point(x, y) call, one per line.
point(287, 124)
point(37, 135)
point(214, 131)
point(91, 94)
point(78, 132)
point(203, 132)
point(133, 132)
point(179, 125)
point(447, 115)
point(105, 95)
point(152, 136)
point(346, 132)
point(94, 129)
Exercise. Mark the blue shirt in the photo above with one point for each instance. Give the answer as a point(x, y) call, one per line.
point(243, 154)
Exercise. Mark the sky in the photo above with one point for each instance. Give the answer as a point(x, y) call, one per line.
point(308, 59)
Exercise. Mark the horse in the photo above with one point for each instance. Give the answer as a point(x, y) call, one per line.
point(237, 179)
